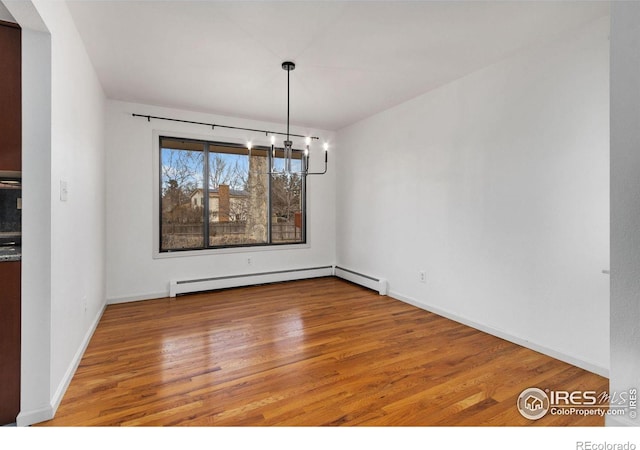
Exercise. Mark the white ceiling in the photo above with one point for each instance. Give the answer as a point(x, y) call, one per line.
point(353, 58)
point(5, 14)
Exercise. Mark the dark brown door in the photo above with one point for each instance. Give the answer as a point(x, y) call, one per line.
point(10, 98)
point(9, 341)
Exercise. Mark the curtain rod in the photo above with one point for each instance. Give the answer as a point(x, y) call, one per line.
point(214, 125)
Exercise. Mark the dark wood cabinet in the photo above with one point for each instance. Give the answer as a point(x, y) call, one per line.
point(10, 97)
point(10, 160)
point(9, 341)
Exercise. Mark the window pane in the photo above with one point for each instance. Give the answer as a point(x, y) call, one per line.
point(181, 180)
point(238, 188)
point(286, 201)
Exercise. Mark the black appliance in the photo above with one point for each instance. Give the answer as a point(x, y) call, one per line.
point(10, 208)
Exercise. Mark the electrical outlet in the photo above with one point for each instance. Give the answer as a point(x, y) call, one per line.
point(249, 262)
point(422, 276)
point(64, 190)
point(84, 303)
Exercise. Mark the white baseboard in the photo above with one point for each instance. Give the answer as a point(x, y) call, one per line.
point(370, 282)
point(75, 362)
point(230, 281)
point(26, 418)
point(586, 365)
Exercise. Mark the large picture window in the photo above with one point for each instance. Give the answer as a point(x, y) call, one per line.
point(220, 195)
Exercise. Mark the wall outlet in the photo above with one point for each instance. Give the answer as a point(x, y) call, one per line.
point(64, 191)
point(84, 303)
point(422, 276)
point(249, 261)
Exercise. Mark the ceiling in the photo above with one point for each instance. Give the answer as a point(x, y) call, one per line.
point(353, 58)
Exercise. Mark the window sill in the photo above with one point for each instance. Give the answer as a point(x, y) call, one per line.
point(228, 251)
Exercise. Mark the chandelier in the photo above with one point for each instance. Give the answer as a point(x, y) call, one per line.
point(289, 66)
point(288, 144)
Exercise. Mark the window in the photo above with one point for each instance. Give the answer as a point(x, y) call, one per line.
point(214, 195)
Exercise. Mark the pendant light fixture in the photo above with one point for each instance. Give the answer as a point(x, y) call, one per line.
point(289, 66)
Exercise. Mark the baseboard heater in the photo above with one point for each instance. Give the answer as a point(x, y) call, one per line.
point(373, 283)
point(209, 284)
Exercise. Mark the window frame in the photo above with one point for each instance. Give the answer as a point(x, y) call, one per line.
point(262, 145)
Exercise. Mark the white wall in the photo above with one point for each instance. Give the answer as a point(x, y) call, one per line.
point(497, 186)
point(625, 202)
point(132, 271)
point(64, 257)
point(78, 224)
point(36, 225)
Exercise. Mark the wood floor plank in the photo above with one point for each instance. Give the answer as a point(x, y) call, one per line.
point(306, 353)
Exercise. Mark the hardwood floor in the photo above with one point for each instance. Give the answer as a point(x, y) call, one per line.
point(306, 353)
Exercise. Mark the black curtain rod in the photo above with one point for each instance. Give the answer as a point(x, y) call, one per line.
point(214, 125)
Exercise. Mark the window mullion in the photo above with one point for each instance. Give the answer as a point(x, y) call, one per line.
point(269, 197)
point(303, 202)
point(205, 196)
